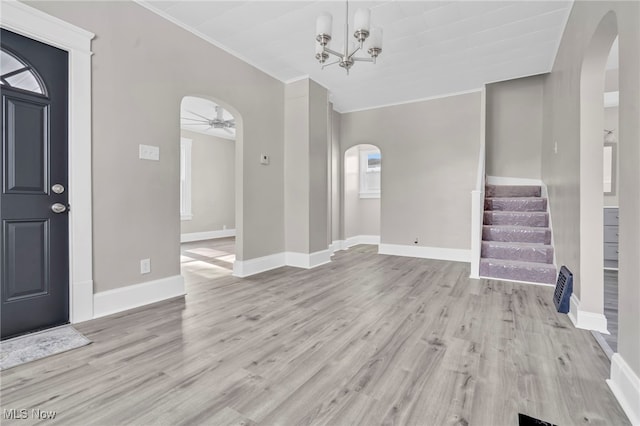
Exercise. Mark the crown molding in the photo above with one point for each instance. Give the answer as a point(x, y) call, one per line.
point(204, 37)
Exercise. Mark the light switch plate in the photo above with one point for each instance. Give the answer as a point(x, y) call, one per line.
point(145, 266)
point(149, 152)
point(264, 159)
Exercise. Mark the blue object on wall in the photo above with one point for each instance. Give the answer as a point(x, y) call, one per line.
point(564, 288)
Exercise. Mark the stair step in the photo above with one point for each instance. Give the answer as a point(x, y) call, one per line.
point(499, 217)
point(514, 204)
point(516, 234)
point(512, 190)
point(518, 271)
point(525, 252)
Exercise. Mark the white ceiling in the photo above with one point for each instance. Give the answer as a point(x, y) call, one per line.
point(431, 48)
point(194, 110)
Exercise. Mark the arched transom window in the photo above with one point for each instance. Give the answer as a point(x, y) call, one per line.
point(16, 74)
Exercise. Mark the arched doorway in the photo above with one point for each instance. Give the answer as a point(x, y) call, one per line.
point(209, 133)
point(362, 194)
point(611, 229)
point(592, 88)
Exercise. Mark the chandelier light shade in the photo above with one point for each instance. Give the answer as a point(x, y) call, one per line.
point(323, 28)
point(361, 24)
point(362, 31)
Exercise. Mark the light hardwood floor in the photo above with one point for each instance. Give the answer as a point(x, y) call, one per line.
point(367, 339)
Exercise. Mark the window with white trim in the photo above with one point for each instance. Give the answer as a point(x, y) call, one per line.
point(185, 179)
point(370, 165)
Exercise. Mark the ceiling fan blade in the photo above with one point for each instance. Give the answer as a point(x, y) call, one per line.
point(199, 115)
point(194, 119)
point(195, 124)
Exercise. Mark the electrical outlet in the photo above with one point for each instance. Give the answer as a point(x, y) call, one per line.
point(149, 152)
point(145, 266)
point(264, 159)
point(224, 227)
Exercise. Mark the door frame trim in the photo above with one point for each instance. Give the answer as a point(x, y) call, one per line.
point(35, 24)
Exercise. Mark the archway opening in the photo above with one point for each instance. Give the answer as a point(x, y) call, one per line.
point(592, 173)
point(208, 190)
point(611, 193)
point(362, 194)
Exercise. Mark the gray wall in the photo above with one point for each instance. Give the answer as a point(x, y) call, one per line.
point(336, 179)
point(514, 127)
point(611, 81)
point(561, 170)
point(361, 215)
point(318, 167)
point(306, 184)
point(296, 183)
point(430, 159)
point(212, 183)
point(142, 67)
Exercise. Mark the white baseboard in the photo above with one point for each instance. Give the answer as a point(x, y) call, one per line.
point(500, 180)
point(603, 344)
point(586, 320)
point(245, 268)
point(337, 245)
point(125, 298)
point(456, 255)
point(208, 235)
point(361, 239)
point(625, 385)
point(308, 261)
point(81, 293)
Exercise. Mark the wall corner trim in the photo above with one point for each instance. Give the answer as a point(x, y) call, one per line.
point(133, 296)
point(245, 268)
point(438, 253)
point(207, 235)
point(625, 385)
point(308, 261)
point(586, 320)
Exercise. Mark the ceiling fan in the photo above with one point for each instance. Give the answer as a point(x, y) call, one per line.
point(217, 122)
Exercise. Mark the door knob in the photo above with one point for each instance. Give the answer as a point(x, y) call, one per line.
point(58, 208)
point(57, 188)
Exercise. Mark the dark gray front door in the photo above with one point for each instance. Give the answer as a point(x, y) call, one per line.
point(34, 240)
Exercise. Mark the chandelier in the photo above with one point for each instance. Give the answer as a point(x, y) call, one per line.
point(346, 58)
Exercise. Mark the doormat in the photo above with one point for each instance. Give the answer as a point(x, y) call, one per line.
point(31, 347)
point(524, 420)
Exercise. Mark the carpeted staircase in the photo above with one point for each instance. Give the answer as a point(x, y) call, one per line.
point(516, 238)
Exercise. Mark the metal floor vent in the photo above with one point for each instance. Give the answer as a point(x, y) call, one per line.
point(524, 420)
point(564, 288)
